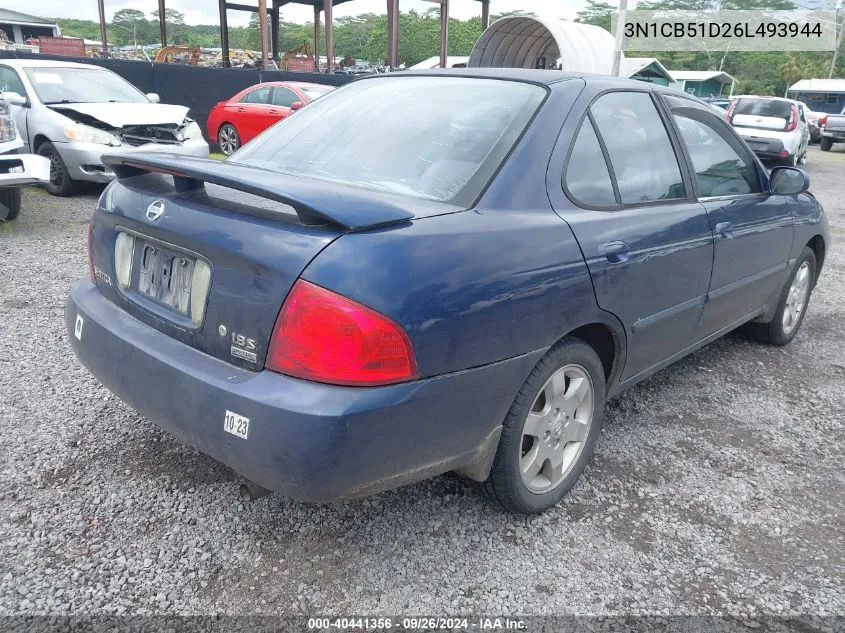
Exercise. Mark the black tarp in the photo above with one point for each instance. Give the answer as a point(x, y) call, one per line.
point(197, 87)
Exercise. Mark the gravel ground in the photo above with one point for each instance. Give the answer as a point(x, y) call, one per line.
point(716, 488)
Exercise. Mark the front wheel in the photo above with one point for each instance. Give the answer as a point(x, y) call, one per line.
point(792, 304)
point(549, 432)
point(60, 184)
point(826, 144)
point(10, 202)
point(228, 139)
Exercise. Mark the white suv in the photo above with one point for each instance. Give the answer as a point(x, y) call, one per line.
point(774, 128)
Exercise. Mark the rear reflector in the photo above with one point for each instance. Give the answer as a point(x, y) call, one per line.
point(325, 337)
point(124, 247)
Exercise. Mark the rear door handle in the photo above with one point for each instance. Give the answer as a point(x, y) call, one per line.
point(241, 110)
point(725, 230)
point(615, 252)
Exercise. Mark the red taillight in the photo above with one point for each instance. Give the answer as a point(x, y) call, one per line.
point(730, 112)
point(783, 153)
point(823, 121)
point(91, 251)
point(793, 118)
point(325, 337)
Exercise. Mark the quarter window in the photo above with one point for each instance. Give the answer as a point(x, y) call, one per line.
point(641, 154)
point(587, 179)
point(719, 168)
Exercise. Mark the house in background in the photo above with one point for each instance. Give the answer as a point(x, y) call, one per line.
point(703, 83)
point(820, 95)
point(19, 27)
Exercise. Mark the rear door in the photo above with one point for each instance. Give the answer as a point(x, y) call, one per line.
point(646, 240)
point(253, 113)
point(753, 230)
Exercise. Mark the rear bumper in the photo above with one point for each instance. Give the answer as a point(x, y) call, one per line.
point(835, 135)
point(308, 441)
point(84, 160)
point(767, 147)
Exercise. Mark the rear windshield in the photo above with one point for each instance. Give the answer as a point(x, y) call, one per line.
point(440, 138)
point(764, 107)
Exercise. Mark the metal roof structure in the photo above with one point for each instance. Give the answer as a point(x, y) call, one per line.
point(536, 41)
point(645, 67)
point(7, 16)
point(702, 75)
point(818, 85)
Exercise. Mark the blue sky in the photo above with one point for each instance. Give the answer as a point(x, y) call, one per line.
point(205, 11)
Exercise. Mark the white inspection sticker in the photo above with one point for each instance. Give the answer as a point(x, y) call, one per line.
point(77, 329)
point(236, 424)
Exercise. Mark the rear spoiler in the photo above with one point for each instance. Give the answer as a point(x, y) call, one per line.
point(315, 202)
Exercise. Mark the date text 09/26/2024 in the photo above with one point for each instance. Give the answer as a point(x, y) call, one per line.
point(416, 623)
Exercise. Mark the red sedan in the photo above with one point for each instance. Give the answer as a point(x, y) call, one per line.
point(243, 117)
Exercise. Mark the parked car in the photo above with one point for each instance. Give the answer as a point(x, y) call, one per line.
point(238, 120)
point(71, 113)
point(774, 128)
point(814, 125)
point(16, 169)
point(832, 129)
point(457, 279)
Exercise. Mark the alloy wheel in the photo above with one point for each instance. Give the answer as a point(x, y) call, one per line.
point(556, 428)
point(228, 140)
point(796, 299)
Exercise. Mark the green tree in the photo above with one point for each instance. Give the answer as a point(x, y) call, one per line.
point(596, 13)
point(130, 26)
point(175, 22)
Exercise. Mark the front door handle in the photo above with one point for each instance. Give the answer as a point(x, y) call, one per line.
point(615, 252)
point(725, 230)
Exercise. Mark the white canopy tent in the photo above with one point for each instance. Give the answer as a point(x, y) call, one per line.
point(544, 42)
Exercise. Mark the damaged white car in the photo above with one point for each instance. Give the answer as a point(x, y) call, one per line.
point(72, 113)
point(16, 169)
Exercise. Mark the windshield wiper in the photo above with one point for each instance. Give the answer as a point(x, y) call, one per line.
point(61, 101)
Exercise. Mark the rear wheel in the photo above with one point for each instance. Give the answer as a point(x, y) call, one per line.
point(826, 144)
point(549, 433)
point(792, 304)
point(61, 184)
point(228, 139)
point(10, 202)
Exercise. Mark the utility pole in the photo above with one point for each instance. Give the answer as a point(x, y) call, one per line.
point(840, 30)
point(444, 33)
point(103, 34)
point(620, 31)
point(262, 31)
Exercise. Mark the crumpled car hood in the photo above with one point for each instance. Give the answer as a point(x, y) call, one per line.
point(123, 114)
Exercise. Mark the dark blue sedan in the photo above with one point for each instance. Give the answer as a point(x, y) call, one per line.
point(445, 271)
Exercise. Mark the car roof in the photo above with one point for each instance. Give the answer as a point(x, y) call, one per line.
point(46, 63)
point(546, 77)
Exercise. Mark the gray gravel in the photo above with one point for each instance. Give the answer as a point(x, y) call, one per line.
point(716, 488)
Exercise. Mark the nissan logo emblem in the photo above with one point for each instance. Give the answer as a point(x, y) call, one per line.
point(155, 210)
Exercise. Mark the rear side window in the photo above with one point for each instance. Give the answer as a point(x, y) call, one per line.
point(641, 154)
point(284, 97)
point(587, 179)
point(719, 168)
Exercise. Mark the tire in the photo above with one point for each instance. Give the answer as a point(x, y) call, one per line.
point(826, 144)
point(61, 184)
point(787, 319)
point(10, 197)
point(228, 139)
point(569, 361)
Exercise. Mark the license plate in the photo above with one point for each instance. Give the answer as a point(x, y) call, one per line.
point(166, 276)
point(236, 424)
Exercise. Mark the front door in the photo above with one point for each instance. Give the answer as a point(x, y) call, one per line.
point(753, 230)
point(646, 240)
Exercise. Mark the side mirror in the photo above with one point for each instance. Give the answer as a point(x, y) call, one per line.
point(788, 181)
point(153, 96)
point(16, 99)
point(296, 105)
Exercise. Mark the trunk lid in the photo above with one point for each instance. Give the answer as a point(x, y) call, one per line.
point(211, 264)
point(835, 122)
